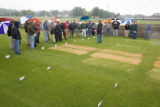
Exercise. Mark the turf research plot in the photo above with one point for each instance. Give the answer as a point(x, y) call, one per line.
point(75, 49)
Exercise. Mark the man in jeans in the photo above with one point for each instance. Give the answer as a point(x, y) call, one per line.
point(147, 31)
point(32, 33)
point(46, 34)
point(16, 37)
point(134, 27)
point(108, 27)
point(99, 32)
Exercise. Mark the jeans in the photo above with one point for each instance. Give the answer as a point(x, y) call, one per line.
point(107, 33)
point(134, 35)
point(90, 32)
point(45, 35)
point(16, 46)
point(32, 41)
point(147, 34)
point(115, 32)
point(99, 37)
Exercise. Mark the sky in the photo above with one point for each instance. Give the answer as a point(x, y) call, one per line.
point(146, 7)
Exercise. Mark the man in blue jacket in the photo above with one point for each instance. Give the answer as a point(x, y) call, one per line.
point(45, 27)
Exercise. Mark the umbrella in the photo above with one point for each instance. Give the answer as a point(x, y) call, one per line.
point(53, 20)
point(35, 19)
point(116, 20)
point(85, 18)
point(127, 21)
point(5, 19)
point(23, 19)
point(107, 21)
point(4, 27)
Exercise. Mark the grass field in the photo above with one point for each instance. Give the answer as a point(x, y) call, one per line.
point(79, 80)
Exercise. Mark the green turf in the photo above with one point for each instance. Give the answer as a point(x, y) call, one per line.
point(71, 82)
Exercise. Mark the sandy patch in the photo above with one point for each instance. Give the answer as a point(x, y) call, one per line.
point(155, 74)
point(79, 47)
point(75, 51)
point(121, 53)
point(157, 64)
point(134, 61)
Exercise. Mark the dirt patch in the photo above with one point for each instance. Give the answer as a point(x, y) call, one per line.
point(80, 47)
point(157, 64)
point(154, 74)
point(122, 53)
point(134, 61)
point(75, 51)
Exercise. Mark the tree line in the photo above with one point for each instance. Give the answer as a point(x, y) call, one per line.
point(75, 12)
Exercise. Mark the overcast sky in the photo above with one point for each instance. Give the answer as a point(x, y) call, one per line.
point(146, 7)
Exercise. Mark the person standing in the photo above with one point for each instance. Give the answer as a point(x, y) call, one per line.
point(63, 30)
point(93, 28)
point(32, 33)
point(52, 31)
point(99, 32)
point(127, 27)
point(16, 37)
point(134, 28)
point(38, 32)
point(115, 26)
point(45, 27)
point(147, 31)
point(83, 28)
point(66, 29)
point(108, 27)
point(27, 35)
point(71, 28)
point(11, 41)
point(58, 32)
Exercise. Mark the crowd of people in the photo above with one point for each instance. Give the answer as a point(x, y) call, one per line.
point(67, 29)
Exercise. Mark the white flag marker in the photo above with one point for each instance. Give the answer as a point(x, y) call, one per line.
point(42, 48)
point(100, 103)
point(55, 45)
point(66, 43)
point(48, 68)
point(7, 56)
point(21, 78)
point(115, 85)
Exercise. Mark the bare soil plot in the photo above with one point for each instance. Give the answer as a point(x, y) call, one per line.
point(123, 59)
point(79, 47)
point(157, 64)
point(70, 50)
point(122, 53)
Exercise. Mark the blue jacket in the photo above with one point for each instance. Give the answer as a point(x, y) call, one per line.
point(45, 25)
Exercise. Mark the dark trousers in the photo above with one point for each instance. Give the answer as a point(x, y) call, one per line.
point(37, 37)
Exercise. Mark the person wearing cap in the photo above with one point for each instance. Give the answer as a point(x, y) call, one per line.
point(16, 37)
point(99, 31)
point(9, 32)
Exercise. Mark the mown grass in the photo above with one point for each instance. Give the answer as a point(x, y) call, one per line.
point(72, 82)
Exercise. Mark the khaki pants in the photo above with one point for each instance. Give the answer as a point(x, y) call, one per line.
point(28, 39)
point(84, 33)
point(53, 38)
point(11, 42)
point(126, 33)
